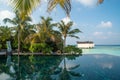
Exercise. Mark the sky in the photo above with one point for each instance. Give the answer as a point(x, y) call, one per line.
point(98, 23)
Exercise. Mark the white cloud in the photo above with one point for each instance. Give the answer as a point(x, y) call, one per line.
point(107, 24)
point(6, 14)
point(88, 2)
point(98, 33)
point(66, 20)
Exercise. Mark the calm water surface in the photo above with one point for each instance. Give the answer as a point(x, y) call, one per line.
point(111, 50)
point(100, 63)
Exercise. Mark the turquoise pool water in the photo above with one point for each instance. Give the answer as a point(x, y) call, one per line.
point(104, 49)
point(100, 63)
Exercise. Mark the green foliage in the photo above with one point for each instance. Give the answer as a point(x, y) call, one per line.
point(47, 50)
point(72, 50)
point(36, 47)
point(25, 47)
point(14, 43)
point(0, 46)
point(5, 33)
point(40, 47)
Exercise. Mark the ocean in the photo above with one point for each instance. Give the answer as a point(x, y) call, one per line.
point(104, 49)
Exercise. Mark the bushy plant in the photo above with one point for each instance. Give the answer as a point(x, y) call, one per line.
point(40, 47)
point(36, 47)
point(72, 50)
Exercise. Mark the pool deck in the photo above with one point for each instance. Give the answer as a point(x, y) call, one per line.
point(4, 53)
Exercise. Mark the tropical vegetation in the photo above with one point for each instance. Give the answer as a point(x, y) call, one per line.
point(41, 37)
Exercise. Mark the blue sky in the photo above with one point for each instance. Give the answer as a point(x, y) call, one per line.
point(99, 23)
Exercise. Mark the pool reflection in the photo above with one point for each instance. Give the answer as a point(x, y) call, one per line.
point(64, 72)
point(37, 68)
point(85, 67)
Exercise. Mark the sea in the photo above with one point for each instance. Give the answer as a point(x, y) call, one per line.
point(103, 49)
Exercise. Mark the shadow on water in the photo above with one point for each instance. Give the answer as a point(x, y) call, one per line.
point(37, 68)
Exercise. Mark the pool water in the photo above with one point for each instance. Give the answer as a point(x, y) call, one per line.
point(90, 66)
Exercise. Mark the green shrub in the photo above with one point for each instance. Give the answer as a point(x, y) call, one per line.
point(36, 47)
point(72, 50)
point(40, 47)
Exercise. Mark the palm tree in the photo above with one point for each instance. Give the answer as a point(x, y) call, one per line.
point(47, 28)
point(20, 24)
point(66, 31)
point(44, 33)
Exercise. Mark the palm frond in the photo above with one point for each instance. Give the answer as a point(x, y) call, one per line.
point(73, 36)
point(74, 31)
point(9, 20)
point(69, 24)
point(65, 4)
point(24, 6)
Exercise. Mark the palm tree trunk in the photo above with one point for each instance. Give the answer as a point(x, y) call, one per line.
point(18, 51)
point(18, 45)
point(64, 44)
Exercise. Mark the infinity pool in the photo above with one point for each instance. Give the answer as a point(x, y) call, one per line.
point(100, 63)
point(85, 67)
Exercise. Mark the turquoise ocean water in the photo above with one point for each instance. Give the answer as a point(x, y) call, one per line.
point(104, 49)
